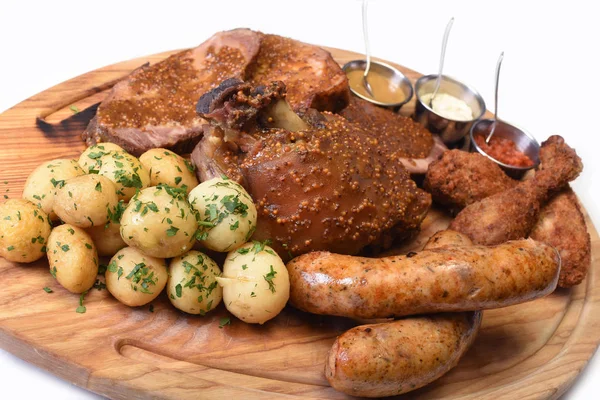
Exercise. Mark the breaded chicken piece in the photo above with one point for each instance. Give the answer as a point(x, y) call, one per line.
point(511, 214)
point(561, 224)
point(459, 178)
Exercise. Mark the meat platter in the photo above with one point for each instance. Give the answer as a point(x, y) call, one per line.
point(532, 350)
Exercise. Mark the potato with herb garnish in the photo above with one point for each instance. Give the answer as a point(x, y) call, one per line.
point(24, 231)
point(160, 222)
point(255, 281)
point(127, 173)
point(135, 278)
point(107, 238)
point(86, 200)
point(227, 215)
point(192, 286)
point(73, 258)
point(42, 183)
point(169, 168)
point(89, 160)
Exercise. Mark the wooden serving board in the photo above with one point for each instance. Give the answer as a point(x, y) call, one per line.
point(530, 351)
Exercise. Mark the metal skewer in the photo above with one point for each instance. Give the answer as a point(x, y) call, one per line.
point(442, 56)
point(498, 65)
point(367, 48)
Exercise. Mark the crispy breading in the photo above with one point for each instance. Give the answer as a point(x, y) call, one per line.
point(512, 214)
point(562, 225)
point(459, 178)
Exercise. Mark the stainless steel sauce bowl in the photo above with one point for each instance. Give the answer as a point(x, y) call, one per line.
point(450, 130)
point(524, 142)
point(397, 78)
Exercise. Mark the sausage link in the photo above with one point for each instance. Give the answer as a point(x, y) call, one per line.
point(448, 278)
point(396, 357)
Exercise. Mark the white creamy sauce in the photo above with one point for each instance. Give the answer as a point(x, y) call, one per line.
point(449, 106)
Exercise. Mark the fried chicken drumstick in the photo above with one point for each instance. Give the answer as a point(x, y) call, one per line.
point(459, 178)
point(512, 214)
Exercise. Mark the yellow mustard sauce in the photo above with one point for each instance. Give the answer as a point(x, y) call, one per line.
point(384, 89)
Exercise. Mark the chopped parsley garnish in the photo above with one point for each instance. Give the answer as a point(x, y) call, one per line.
point(172, 231)
point(10, 248)
point(71, 231)
point(224, 321)
point(48, 290)
point(151, 309)
point(115, 214)
point(98, 187)
point(99, 285)
point(112, 267)
point(178, 180)
point(189, 166)
point(81, 309)
point(269, 278)
point(178, 289)
point(56, 183)
point(233, 227)
point(65, 247)
point(74, 109)
point(121, 176)
point(89, 246)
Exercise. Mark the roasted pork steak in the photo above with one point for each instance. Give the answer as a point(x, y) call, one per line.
point(327, 185)
point(155, 105)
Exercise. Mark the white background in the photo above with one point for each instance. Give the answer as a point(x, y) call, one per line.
point(549, 81)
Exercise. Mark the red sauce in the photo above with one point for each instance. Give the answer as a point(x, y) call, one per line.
point(503, 150)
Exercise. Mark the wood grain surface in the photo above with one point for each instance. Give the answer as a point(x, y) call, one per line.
point(530, 351)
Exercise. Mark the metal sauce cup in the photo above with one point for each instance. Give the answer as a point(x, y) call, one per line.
point(522, 139)
point(396, 78)
point(450, 131)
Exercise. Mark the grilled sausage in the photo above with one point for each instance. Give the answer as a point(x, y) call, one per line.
point(396, 357)
point(449, 278)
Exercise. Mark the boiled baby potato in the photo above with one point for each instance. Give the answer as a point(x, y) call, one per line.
point(135, 278)
point(107, 238)
point(126, 171)
point(24, 231)
point(86, 201)
point(256, 284)
point(192, 286)
point(159, 221)
point(227, 214)
point(89, 160)
point(73, 258)
point(42, 183)
point(169, 168)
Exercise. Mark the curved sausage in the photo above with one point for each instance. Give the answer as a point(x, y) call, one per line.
point(449, 278)
point(396, 357)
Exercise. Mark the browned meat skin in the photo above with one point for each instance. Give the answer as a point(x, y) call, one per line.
point(396, 357)
point(154, 106)
point(313, 78)
point(561, 224)
point(513, 213)
point(449, 278)
point(325, 187)
point(408, 138)
point(459, 178)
